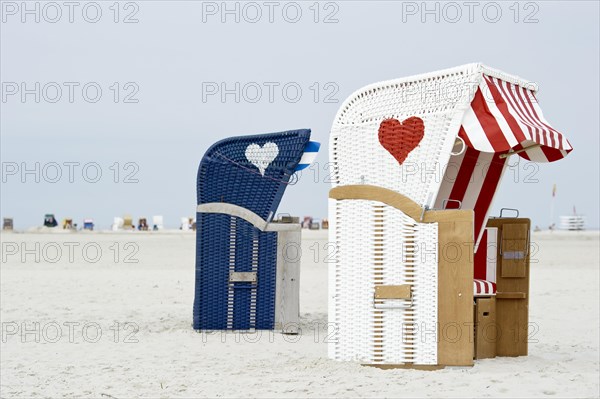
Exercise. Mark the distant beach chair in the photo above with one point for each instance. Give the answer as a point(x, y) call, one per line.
point(128, 223)
point(67, 224)
point(243, 279)
point(118, 223)
point(306, 222)
point(416, 164)
point(185, 224)
point(287, 218)
point(7, 224)
point(157, 222)
point(50, 220)
point(142, 224)
point(572, 222)
point(88, 224)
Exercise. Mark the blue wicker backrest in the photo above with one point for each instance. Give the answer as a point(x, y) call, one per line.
point(227, 175)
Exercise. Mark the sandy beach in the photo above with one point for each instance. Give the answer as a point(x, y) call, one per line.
point(109, 315)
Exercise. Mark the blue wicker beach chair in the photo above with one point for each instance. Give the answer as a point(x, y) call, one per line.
point(240, 183)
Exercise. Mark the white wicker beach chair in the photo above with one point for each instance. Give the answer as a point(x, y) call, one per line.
point(407, 155)
point(185, 224)
point(157, 222)
point(117, 224)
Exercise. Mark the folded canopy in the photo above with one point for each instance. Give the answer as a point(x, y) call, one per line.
point(505, 116)
point(503, 119)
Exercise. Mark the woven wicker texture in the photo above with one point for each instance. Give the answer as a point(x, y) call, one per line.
point(439, 100)
point(251, 172)
point(400, 138)
point(379, 245)
point(227, 175)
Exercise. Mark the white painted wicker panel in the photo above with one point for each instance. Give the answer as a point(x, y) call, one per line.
point(332, 325)
point(359, 158)
point(439, 99)
point(351, 297)
point(397, 270)
point(379, 245)
point(425, 292)
point(425, 93)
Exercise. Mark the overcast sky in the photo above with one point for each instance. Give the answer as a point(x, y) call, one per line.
point(139, 100)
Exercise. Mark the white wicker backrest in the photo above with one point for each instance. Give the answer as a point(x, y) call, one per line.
point(439, 99)
point(403, 251)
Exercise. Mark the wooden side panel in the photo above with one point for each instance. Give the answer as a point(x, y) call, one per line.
point(511, 295)
point(399, 201)
point(514, 245)
point(455, 293)
point(512, 318)
point(287, 282)
point(486, 334)
point(512, 285)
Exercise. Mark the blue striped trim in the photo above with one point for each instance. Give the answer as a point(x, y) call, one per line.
point(310, 154)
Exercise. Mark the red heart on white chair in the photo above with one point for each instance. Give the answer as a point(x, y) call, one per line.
point(400, 138)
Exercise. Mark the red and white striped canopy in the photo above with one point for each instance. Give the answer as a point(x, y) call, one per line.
point(503, 119)
point(505, 116)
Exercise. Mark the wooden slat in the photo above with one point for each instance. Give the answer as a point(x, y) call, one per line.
point(398, 201)
point(511, 295)
point(249, 277)
point(393, 291)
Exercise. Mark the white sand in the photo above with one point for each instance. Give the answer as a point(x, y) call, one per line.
point(171, 360)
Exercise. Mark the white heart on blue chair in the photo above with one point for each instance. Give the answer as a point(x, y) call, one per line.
point(262, 157)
